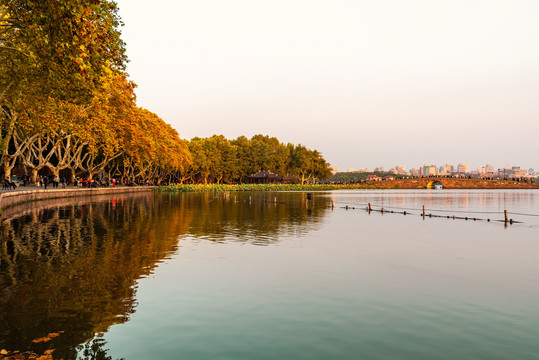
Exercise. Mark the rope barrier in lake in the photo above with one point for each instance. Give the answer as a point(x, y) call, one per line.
point(406, 211)
point(448, 213)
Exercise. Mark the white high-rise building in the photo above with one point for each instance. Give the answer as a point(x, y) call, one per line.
point(446, 169)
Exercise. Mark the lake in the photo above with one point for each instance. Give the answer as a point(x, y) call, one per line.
point(274, 275)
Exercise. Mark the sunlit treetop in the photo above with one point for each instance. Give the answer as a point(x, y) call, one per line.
point(59, 47)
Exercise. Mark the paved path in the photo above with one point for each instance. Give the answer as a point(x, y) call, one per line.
point(68, 187)
point(31, 193)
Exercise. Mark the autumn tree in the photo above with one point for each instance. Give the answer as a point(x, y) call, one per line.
point(53, 49)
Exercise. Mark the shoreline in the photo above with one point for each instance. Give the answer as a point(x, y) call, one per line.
point(19, 197)
point(407, 184)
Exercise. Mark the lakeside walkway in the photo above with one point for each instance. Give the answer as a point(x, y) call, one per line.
point(25, 194)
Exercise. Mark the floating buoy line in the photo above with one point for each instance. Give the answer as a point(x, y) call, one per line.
point(368, 207)
point(424, 214)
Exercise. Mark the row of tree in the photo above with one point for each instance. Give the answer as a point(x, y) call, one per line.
point(66, 103)
point(219, 160)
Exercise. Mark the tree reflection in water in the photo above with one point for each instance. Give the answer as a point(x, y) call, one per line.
point(72, 265)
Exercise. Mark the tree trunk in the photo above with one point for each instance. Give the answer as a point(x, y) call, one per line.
point(7, 170)
point(34, 176)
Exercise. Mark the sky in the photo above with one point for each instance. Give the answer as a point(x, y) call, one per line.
point(367, 83)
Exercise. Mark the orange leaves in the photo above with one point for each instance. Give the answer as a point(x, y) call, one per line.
point(69, 53)
point(17, 355)
point(75, 83)
point(47, 338)
point(25, 356)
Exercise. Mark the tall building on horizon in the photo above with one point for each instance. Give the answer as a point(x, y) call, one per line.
point(446, 169)
point(462, 168)
point(428, 170)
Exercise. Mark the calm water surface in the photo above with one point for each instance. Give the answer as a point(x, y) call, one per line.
point(274, 276)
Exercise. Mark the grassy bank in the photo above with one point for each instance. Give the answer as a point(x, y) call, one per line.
point(261, 187)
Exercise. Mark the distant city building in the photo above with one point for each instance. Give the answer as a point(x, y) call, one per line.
point(334, 170)
point(520, 172)
point(506, 172)
point(446, 169)
point(428, 170)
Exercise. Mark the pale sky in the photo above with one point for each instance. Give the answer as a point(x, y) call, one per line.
point(367, 83)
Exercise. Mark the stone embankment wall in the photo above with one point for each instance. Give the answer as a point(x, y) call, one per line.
point(10, 198)
point(455, 183)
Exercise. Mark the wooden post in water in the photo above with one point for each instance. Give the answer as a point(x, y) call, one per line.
point(505, 213)
point(370, 207)
point(423, 211)
point(332, 205)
